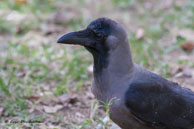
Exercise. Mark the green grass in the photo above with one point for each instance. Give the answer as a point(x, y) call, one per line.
point(31, 63)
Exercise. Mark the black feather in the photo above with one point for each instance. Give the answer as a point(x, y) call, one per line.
point(161, 103)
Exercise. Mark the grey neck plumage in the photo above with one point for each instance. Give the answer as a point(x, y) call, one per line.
point(117, 62)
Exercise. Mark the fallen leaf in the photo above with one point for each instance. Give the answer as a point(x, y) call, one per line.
point(1, 110)
point(64, 18)
point(188, 34)
point(68, 99)
point(38, 109)
point(15, 16)
point(32, 97)
point(187, 73)
point(52, 109)
point(139, 34)
point(21, 74)
point(21, 1)
point(78, 114)
point(19, 29)
point(89, 95)
point(188, 46)
point(90, 68)
point(53, 28)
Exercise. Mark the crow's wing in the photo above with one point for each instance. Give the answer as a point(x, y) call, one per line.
point(161, 103)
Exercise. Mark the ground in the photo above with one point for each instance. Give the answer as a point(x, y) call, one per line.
point(47, 85)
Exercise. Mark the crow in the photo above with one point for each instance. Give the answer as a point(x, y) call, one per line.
point(144, 100)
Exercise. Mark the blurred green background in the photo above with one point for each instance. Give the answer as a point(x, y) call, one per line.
point(49, 82)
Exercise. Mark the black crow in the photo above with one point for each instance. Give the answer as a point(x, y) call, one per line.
point(144, 100)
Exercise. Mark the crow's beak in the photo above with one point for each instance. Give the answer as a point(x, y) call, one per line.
point(77, 38)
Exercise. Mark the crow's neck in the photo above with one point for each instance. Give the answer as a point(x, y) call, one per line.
point(100, 62)
point(113, 64)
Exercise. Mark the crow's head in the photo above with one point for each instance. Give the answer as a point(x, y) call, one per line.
point(101, 35)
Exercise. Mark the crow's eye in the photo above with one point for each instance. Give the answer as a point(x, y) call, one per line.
point(99, 34)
